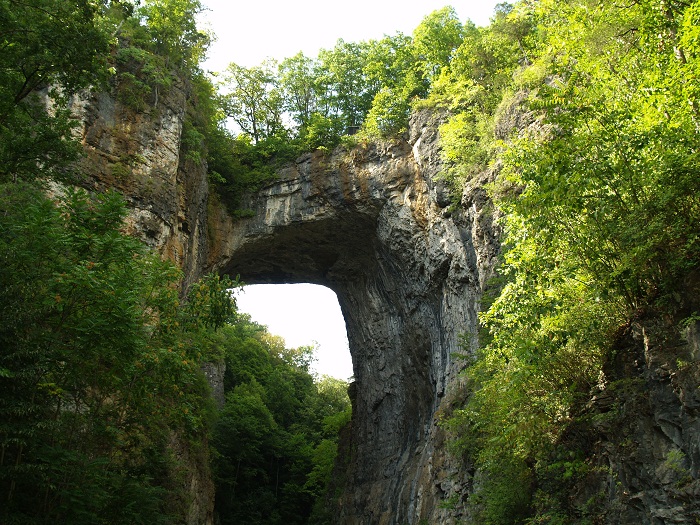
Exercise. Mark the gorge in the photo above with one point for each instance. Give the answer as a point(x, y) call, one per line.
point(409, 266)
point(373, 225)
point(509, 216)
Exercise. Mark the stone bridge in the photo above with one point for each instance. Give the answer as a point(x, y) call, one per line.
point(408, 269)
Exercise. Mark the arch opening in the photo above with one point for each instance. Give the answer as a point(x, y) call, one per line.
point(371, 226)
point(304, 315)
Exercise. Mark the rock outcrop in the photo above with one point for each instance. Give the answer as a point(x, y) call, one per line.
point(140, 154)
point(408, 268)
point(406, 263)
point(643, 441)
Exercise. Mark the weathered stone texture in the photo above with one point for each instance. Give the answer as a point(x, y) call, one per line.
point(409, 267)
point(139, 153)
point(645, 435)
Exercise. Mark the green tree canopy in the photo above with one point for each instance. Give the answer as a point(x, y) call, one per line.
point(276, 440)
point(436, 39)
point(45, 44)
point(95, 367)
point(252, 99)
point(599, 204)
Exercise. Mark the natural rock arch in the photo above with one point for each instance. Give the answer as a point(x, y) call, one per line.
point(373, 226)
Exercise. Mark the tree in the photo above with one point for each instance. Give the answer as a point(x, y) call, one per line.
point(173, 33)
point(388, 115)
point(49, 42)
point(276, 439)
point(45, 44)
point(350, 94)
point(299, 83)
point(253, 100)
point(95, 368)
point(390, 69)
point(436, 39)
point(600, 208)
point(477, 89)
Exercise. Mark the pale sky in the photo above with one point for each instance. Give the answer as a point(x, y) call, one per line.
point(247, 33)
point(304, 314)
point(250, 31)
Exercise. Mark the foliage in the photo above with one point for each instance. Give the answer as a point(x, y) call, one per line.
point(599, 206)
point(253, 100)
point(97, 370)
point(209, 303)
point(99, 366)
point(365, 86)
point(172, 32)
point(477, 88)
point(388, 115)
point(50, 42)
point(158, 45)
point(589, 111)
point(45, 43)
point(436, 39)
point(99, 360)
point(277, 433)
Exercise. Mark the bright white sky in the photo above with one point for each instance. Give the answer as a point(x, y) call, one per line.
point(249, 31)
point(304, 314)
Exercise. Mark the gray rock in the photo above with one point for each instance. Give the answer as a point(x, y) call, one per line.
point(409, 263)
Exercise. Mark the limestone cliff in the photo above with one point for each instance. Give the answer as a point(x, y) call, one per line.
point(140, 154)
point(643, 439)
point(409, 268)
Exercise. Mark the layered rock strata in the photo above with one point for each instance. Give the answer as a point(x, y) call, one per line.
point(141, 155)
point(409, 264)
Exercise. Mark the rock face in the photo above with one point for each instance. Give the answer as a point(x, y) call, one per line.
point(373, 226)
point(370, 224)
point(140, 154)
point(644, 439)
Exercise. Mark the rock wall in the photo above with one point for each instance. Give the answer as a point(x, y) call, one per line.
point(408, 269)
point(140, 154)
point(643, 442)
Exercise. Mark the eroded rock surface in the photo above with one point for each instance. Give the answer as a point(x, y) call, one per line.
point(141, 155)
point(644, 440)
point(409, 268)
